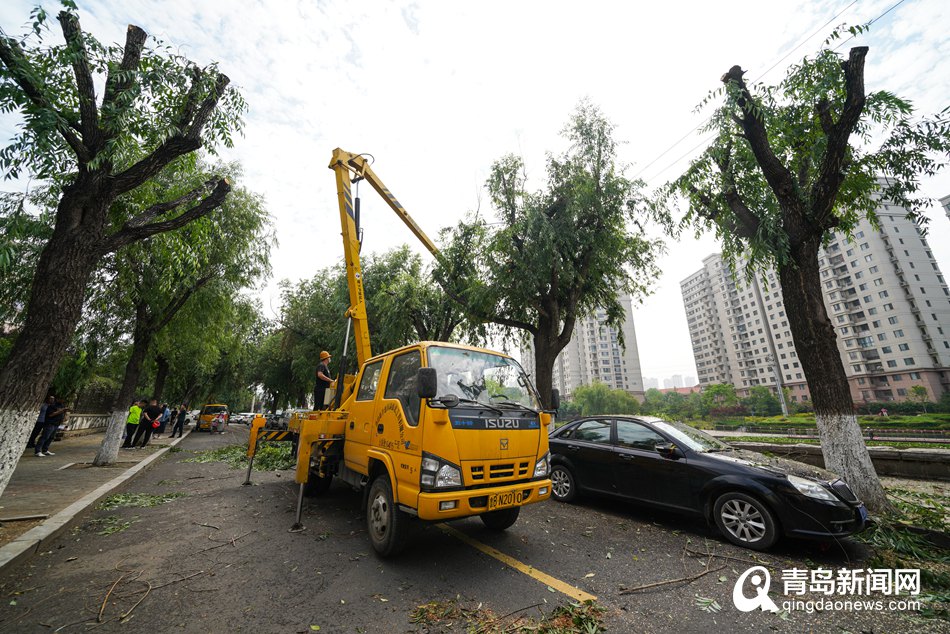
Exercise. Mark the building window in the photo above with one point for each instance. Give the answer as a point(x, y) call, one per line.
point(899, 333)
point(908, 360)
point(892, 363)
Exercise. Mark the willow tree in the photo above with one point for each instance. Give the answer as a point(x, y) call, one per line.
point(209, 261)
point(555, 255)
point(155, 107)
point(790, 164)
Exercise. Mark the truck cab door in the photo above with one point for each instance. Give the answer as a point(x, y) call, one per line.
point(362, 416)
point(397, 427)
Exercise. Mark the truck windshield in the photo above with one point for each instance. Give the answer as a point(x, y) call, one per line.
point(481, 376)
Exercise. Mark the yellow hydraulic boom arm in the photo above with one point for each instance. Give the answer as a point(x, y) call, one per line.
point(351, 168)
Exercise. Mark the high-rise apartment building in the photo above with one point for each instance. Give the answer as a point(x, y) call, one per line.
point(885, 295)
point(595, 355)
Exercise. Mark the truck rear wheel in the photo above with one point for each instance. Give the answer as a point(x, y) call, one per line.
point(385, 523)
point(500, 520)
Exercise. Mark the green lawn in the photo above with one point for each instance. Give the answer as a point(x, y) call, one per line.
point(779, 440)
point(921, 421)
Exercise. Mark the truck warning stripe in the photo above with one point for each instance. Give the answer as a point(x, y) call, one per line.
point(531, 571)
point(274, 435)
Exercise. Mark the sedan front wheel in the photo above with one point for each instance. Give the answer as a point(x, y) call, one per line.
point(745, 521)
point(563, 487)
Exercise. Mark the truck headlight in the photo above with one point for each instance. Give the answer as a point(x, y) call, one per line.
point(448, 476)
point(810, 488)
point(437, 473)
point(543, 466)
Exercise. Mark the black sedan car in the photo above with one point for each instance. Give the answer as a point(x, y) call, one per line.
point(751, 498)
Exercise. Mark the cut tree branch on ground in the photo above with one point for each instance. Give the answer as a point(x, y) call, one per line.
point(657, 584)
point(225, 543)
point(125, 617)
point(102, 608)
point(718, 556)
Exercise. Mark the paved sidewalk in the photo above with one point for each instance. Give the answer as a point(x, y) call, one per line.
point(61, 486)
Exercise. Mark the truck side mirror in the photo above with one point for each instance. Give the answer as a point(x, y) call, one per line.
point(555, 398)
point(427, 382)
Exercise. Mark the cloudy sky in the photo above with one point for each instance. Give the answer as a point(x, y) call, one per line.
point(437, 90)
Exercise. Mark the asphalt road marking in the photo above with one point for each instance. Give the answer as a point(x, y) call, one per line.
point(562, 587)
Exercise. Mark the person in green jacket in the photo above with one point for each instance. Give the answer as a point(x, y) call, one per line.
point(132, 423)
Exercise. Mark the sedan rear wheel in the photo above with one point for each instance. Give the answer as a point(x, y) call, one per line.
point(745, 521)
point(563, 487)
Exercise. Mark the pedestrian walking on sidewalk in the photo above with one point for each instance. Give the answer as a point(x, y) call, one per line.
point(151, 416)
point(132, 423)
point(54, 416)
point(180, 422)
point(40, 423)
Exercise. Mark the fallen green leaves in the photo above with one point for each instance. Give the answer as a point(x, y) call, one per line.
point(902, 541)
point(110, 524)
point(136, 500)
point(584, 617)
point(270, 456)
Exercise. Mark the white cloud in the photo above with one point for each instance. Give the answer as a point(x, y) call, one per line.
point(438, 90)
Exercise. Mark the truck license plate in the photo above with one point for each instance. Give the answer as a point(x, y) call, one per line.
point(504, 500)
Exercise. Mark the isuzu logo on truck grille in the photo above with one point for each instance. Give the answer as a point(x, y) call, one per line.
point(503, 443)
point(475, 422)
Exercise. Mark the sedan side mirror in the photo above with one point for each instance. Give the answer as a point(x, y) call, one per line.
point(666, 449)
point(427, 382)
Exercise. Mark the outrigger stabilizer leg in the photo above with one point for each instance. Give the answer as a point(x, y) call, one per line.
point(297, 527)
point(250, 466)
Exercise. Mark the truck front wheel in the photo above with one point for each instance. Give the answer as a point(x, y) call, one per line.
point(385, 523)
point(500, 520)
point(316, 485)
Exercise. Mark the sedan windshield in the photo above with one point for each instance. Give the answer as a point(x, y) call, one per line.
point(483, 377)
point(690, 437)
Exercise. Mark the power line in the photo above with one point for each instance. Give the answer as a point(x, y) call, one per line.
point(767, 71)
point(853, 35)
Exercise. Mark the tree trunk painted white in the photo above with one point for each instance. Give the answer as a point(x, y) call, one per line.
point(845, 453)
point(15, 426)
point(109, 448)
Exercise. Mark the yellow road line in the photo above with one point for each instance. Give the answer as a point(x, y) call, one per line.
point(557, 584)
